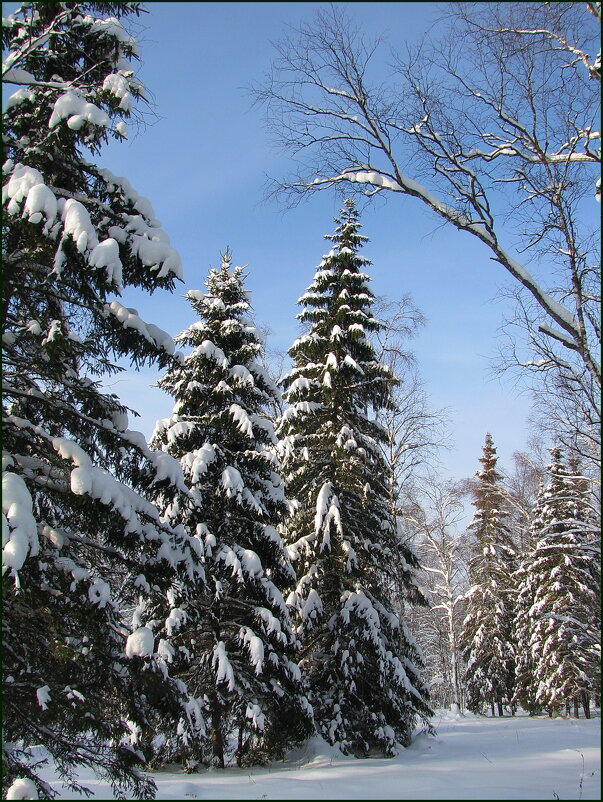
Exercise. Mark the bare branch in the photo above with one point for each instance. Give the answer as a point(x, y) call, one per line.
point(494, 129)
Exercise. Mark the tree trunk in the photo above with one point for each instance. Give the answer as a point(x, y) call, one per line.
point(492, 708)
point(586, 704)
point(576, 709)
point(217, 743)
point(500, 709)
point(456, 689)
point(243, 743)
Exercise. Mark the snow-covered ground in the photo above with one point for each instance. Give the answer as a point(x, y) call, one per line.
point(470, 758)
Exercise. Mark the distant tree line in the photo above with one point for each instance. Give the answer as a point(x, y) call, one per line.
point(514, 620)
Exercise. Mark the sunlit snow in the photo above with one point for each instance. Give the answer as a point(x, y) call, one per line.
point(140, 643)
point(471, 757)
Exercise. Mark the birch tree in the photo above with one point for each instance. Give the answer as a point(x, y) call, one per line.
point(415, 430)
point(521, 487)
point(434, 519)
point(493, 128)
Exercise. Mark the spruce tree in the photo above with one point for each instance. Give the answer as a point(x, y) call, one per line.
point(526, 685)
point(361, 664)
point(487, 637)
point(237, 646)
point(81, 547)
point(559, 595)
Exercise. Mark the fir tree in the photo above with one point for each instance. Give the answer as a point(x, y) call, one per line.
point(487, 636)
point(559, 596)
point(361, 664)
point(80, 544)
point(238, 642)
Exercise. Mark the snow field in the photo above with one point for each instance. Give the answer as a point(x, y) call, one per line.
point(470, 758)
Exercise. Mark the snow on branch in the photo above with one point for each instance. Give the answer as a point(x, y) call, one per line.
point(30, 44)
point(130, 319)
point(242, 420)
point(327, 511)
point(408, 186)
point(255, 646)
point(19, 528)
point(223, 668)
point(560, 336)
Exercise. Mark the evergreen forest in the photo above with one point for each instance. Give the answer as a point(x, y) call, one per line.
point(280, 559)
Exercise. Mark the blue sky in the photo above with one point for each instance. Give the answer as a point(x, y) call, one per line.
point(203, 163)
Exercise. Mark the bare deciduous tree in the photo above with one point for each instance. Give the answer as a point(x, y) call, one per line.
point(521, 486)
point(415, 431)
point(494, 129)
point(433, 519)
point(566, 399)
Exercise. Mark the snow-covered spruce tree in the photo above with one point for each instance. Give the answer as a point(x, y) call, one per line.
point(526, 685)
point(361, 664)
point(80, 544)
point(559, 597)
point(487, 637)
point(238, 645)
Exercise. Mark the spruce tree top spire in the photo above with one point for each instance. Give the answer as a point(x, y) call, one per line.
point(488, 497)
point(337, 307)
point(226, 259)
point(558, 500)
point(489, 460)
point(346, 234)
point(488, 520)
